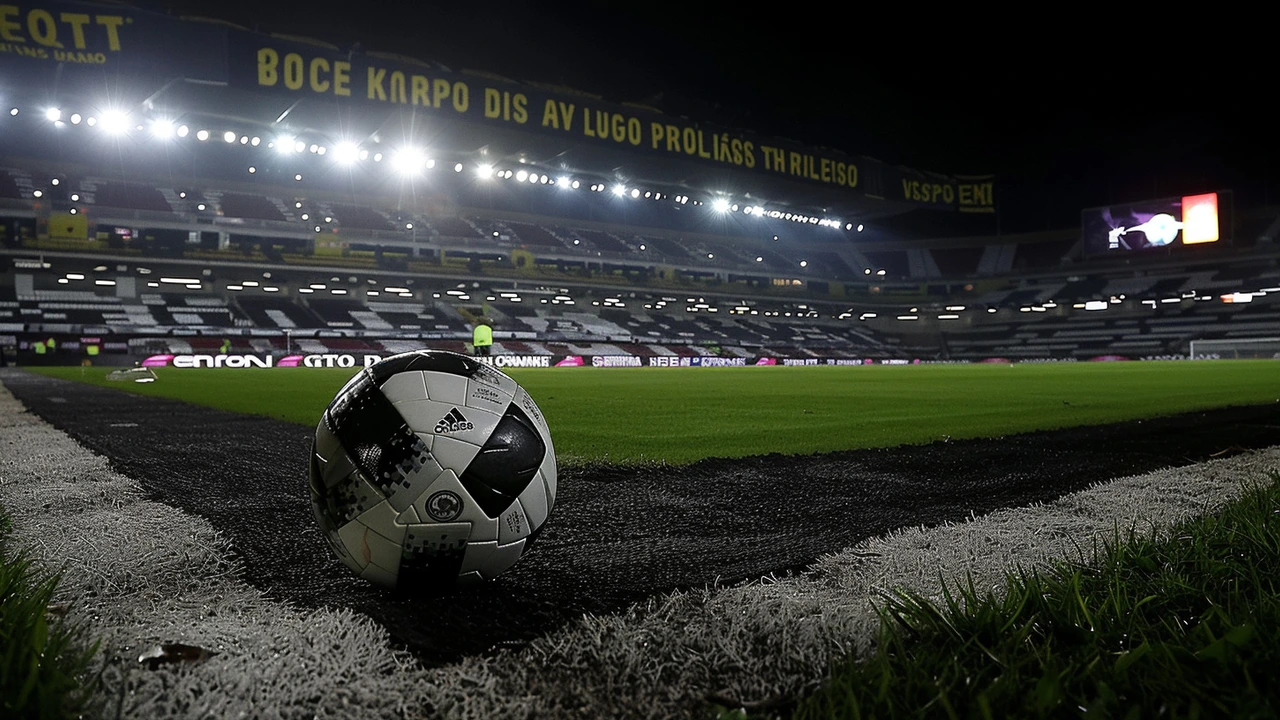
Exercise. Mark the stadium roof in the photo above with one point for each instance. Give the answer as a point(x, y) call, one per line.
point(187, 66)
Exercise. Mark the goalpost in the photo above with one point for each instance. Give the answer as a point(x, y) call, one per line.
point(1236, 349)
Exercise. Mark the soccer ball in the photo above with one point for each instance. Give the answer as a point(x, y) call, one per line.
point(429, 469)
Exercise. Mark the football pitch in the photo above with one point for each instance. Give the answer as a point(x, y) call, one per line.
point(681, 415)
point(722, 543)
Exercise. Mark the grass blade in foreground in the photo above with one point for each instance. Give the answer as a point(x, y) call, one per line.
point(42, 659)
point(1178, 627)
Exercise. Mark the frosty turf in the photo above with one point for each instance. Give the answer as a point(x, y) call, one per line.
point(1182, 625)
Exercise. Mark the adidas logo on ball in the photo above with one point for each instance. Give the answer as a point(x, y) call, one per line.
point(453, 422)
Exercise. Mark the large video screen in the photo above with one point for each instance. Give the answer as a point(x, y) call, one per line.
point(1155, 224)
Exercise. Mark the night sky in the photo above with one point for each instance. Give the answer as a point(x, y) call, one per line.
point(1068, 114)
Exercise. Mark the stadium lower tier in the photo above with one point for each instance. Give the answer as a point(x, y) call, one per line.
point(1167, 331)
point(65, 308)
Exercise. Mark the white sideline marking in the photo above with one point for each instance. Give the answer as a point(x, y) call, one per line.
point(146, 573)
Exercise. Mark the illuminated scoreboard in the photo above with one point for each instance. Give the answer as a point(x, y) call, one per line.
point(1151, 225)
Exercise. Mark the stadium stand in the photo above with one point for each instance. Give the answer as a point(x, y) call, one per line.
point(277, 313)
point(358, 217)
point(603, 242)
point(453, 227)
point(240, 205)
point(526, 234)
point(601, 280)
point(130, 196)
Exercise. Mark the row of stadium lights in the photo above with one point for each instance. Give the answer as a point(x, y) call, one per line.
point(409, 162)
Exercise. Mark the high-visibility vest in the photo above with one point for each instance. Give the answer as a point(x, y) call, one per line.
point(482, 336)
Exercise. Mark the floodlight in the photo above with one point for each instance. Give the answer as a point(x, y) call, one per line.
point(619, 190)
point(161, 129)
point(720, 205)
point(229, 136)
point(564, 182)
point(635, 193)
point(53, 114)
point(860, 227)
point(408, 161)
point(485, 171)
point(346, 153)
point(522, 175)
point(202, 135)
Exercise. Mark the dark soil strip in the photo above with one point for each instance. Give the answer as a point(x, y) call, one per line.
point(618, 535)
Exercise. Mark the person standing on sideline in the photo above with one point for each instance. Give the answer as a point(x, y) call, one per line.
point(482, 338)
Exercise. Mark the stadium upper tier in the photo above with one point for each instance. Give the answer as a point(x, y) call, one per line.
point(88, 212)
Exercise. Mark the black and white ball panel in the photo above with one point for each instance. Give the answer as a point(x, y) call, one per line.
point(430, 468)
point(374, 435)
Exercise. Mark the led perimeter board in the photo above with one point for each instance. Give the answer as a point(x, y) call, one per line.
point(1152, 225)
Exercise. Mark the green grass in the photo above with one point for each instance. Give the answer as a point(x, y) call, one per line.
point(685, 414)
point(44, 659)
point(1183, 627)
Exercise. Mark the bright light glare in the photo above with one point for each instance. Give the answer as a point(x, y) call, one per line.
point(53, 114)
point(408, 161)
point(229, 136)
point(160, 129)
point(346, 153)
point(720, 205)
point(485, 171)
point(284, 145)
point(619, 190)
